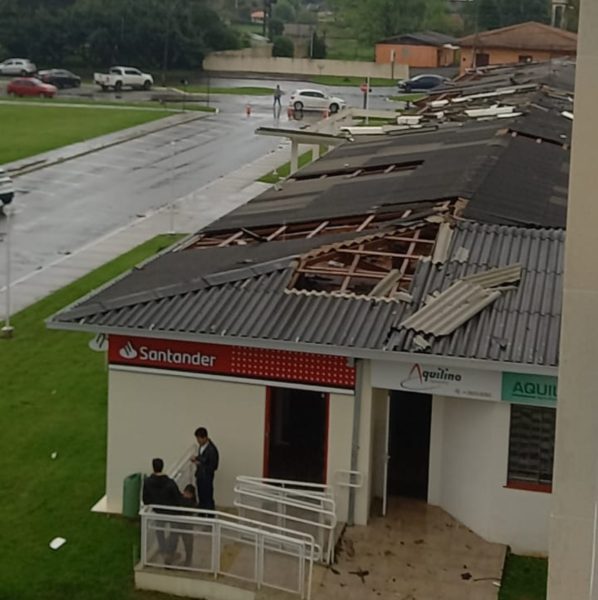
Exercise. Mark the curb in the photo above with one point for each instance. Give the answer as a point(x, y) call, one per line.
point(42, 164)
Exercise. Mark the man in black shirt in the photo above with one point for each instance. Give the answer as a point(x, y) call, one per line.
point(160, 489)
point(206, 463)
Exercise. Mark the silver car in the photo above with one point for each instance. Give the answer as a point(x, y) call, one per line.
point(17, 66)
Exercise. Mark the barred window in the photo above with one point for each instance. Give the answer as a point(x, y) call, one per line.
point(531, 445)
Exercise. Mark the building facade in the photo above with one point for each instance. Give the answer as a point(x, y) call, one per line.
point(521, 43)
point(427, 49)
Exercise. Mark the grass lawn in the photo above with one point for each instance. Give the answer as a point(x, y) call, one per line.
point(416, 97)
point(29, 130)
point(54, 400)
point(112, 103)
point(524, 578)
point(351, 81)
point(284, 170)
point(239, 91)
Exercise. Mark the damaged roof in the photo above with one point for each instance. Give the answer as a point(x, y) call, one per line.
point(256, 301)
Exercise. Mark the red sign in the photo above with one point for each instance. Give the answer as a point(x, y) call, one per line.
point(240, 361)
point(363, 87)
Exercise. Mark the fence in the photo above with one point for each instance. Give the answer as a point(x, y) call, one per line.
point(226, 545)
point(299, 506)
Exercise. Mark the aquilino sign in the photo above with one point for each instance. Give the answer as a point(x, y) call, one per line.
point(521, 388)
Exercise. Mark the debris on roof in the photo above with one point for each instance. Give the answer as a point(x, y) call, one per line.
point(461, 301)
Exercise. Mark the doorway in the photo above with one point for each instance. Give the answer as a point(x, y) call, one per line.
point(410, 418)
point(296, 440)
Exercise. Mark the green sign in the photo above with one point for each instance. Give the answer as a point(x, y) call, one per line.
point(521, 388)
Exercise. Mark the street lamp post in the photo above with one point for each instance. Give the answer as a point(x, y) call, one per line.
point(7, 330)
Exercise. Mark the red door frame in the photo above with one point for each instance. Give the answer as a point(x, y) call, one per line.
point(268, 413)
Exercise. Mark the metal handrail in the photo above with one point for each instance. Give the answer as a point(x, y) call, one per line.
point(266, 536)
point(321, 514)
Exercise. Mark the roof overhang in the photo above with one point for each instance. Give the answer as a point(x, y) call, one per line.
point(305, 137)
point(351, 352)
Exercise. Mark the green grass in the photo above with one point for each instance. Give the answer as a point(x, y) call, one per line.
point(284, 170)
point(239, 91)
point(54, 400)
point(29, 130)
point(154, 105)
point(415, 97)
point(351, 81)
point(524, 578)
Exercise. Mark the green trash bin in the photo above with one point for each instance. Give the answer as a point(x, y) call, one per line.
point(131, 494)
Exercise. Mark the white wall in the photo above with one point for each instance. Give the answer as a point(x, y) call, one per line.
point(340, 432)
point(241, 61)
point(152, 415)
point(469, 452)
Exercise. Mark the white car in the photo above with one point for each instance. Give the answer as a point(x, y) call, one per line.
point(121, 77)
point(17, 66)
point(315, 100)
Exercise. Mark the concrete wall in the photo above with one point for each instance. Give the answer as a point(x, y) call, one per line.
point(153, 415)
point(415, 55)
point(156, 415)
point(500, 56)
point(469, 452)
point(237, 61)
point(339, 446)
point(571, 574)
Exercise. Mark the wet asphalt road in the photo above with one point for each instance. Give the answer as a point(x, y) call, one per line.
point(61, 208)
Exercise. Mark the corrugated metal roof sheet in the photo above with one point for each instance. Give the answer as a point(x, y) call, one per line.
point(521, 326)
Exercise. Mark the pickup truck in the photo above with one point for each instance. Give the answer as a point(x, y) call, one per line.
point(121, 77)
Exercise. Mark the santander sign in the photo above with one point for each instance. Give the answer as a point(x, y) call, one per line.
point(235, 361)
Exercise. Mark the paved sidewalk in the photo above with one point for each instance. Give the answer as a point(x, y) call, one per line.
point(185, 215)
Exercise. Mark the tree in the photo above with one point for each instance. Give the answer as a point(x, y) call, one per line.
point(482, 15)
point(372, 20)
point(284, 11)
point(275, 28)
point(318, 49)
point(283, 46)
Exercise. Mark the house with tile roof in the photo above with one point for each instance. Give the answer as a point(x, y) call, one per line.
point(520, 43)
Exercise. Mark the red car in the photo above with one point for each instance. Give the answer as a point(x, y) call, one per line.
point(30, 86)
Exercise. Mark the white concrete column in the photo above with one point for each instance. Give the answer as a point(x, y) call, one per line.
point(294, 156)
point(575, 489)
point(315, 152)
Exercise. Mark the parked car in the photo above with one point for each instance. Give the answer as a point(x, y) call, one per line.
point(17, 66)
point(121, 77)
point(30, 86)
point(422, 83)
point(7, 188)
point(315, 100)
point(61, 78)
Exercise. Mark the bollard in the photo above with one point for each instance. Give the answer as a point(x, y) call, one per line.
point(326, 113)
point(290, 112)
point(248, 110)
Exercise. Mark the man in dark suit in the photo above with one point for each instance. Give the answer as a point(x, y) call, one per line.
point(206, 463)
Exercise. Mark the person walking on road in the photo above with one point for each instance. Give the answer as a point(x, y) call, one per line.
point(160, 489)
point(277, 97)
point(206, 463)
